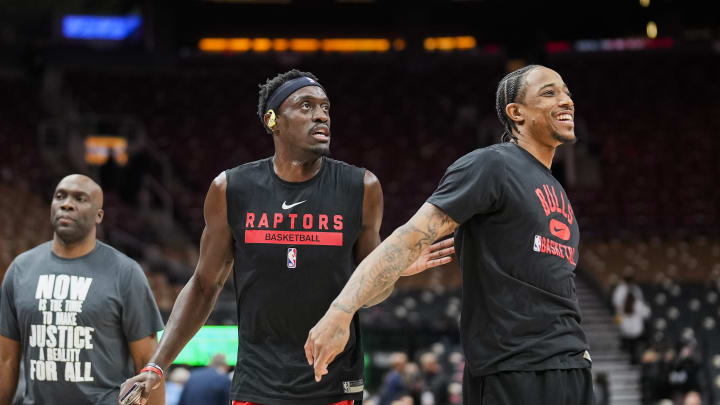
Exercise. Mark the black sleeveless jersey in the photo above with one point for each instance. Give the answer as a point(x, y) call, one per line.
point(293, 255)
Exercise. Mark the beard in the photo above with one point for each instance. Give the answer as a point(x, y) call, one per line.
point(320, 150)
point(71, 234)
point(564, 139)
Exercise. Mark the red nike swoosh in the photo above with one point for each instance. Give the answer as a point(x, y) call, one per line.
point(560, 230)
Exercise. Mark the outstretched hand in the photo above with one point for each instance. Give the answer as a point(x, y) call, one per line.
point(437, 254)
point(327, 339)
point(330, 335)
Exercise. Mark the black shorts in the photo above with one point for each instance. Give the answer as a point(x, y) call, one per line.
point(548, 387)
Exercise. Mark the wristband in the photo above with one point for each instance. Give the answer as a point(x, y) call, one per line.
point(157, 366)
point(152, 367)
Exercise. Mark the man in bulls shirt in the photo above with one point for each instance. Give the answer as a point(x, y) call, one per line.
point(290, 229)
point(516, 237)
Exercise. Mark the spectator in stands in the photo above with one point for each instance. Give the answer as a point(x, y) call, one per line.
point(455, 393)
point(601, 389)
point(175, 384)
point(208, 385)
point(685, 374)
point(627, 284)
point(632, 324)
point(414, 383)
point(393, 386)
point(692, 398)
point(653, 373)
point(404, 400)
point(436, 381)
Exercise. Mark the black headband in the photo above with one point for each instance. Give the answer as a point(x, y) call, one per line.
point(288, 88)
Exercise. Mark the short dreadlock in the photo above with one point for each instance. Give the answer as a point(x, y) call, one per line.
point(267, 88)
point(511, 88)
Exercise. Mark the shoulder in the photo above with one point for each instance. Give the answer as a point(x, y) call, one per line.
point(343, 166)
point(219, 183)
point(220, 190)
point(248, 167)
point(372, 191)
point(28, 257)
point(370, 181)
point(339, 163)
point(113, 257)
point(243, 177)
point(493, 156)
point(349, 178)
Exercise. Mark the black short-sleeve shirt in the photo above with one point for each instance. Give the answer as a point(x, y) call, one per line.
point(517, 247)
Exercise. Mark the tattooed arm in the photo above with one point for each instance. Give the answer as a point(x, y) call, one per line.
point(437, 254)
point(376, 273)
point(369, 239)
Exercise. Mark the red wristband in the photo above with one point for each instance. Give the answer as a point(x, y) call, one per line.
point(152, 369)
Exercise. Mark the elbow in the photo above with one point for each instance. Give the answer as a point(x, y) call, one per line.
point(203, 288)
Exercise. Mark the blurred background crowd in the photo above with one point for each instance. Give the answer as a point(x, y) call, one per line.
point(154, 100)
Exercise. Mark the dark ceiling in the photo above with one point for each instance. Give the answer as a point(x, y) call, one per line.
point(507, 23)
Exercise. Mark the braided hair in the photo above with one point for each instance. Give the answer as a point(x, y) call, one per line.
point(267, 89)
point(511, 88)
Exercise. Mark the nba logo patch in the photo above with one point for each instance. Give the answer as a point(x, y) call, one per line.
point(538, 243)
point(292, 258)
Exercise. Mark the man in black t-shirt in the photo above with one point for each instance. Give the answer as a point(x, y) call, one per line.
point(517, 237)
point(290, 229)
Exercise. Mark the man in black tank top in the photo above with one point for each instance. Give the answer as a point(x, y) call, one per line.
point(291, 229)
point(517, 238)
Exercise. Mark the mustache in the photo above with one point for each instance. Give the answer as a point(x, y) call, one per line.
point(63, 216)
point(315, 127)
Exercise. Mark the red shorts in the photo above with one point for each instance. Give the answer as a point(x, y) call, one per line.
point(253, 403)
